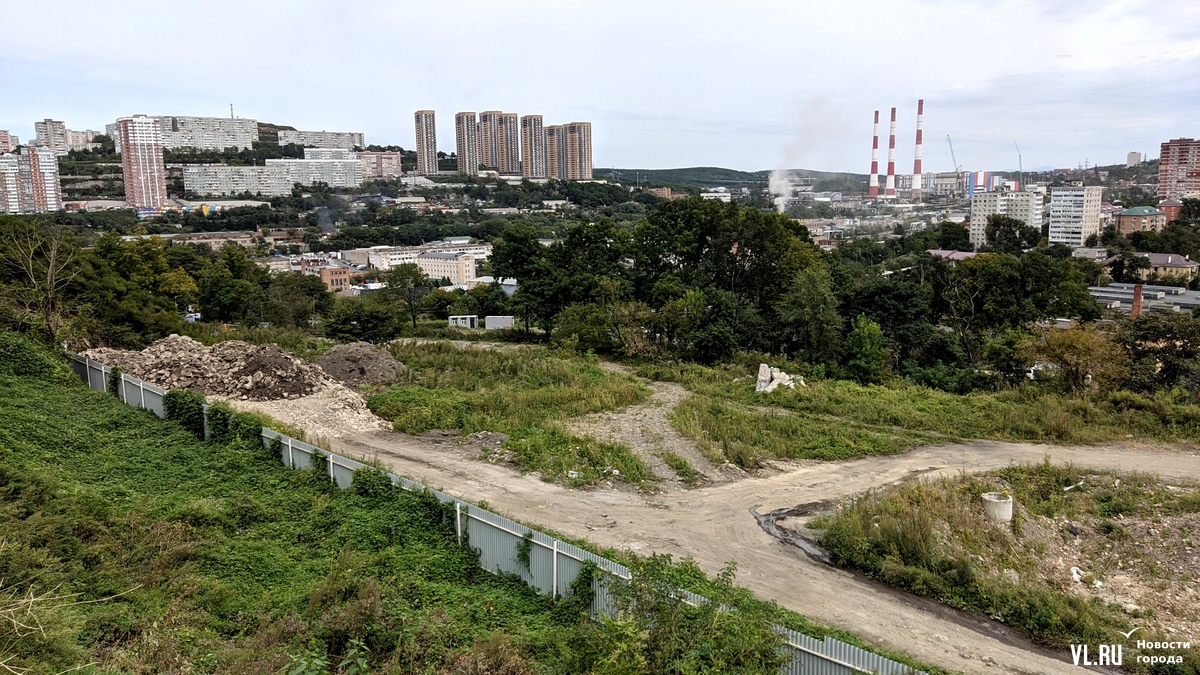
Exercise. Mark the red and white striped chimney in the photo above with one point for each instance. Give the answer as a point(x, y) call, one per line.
point(873, 184)
point(889, 189)
point(916, 182)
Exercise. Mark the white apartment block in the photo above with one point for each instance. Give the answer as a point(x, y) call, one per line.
point(213, 180)
point(10, 184)
point(199, 133)
point(340, 173)
point(51, 134)
point(1074, 214)
point(457, 267)
point(329, 153)
point(346, 140)
point(1023, 206)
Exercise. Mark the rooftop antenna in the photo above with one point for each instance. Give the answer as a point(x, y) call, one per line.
point(231, 111)
point(1020, 165)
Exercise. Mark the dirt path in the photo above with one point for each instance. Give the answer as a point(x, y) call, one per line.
point(646, 428)
point(713, 525)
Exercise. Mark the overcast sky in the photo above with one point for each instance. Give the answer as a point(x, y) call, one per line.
point(747, 85)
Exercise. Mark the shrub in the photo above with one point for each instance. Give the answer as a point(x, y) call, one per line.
point(21, 356)
point(115, 382)
point(187, 408)
point(371, 482)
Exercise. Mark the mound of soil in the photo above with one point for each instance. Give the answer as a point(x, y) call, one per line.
point(359, 363)
point(232, 369)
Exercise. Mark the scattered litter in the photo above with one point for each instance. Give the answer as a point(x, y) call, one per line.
point(1077, 574)
point(1072, 487)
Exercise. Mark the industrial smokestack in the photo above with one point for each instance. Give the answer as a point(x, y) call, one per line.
point(889, 189)
point(916, 183)
point(873, 185)
point(1136, 310)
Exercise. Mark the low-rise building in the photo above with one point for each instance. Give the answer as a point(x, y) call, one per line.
point(344, 173)
point(1141, 219)
point(378, 165)
point(1170, 207)
point(336, 278)
point(457, 267)
point(1164, 265)
point(725, 197)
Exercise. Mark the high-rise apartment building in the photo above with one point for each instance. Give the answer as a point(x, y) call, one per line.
point(29, 181)
point(427, 160)
point(82, 140)
point(508, 141)
point(1133, 159)
point(466, 142)
point(8, 142)
point(142, 163)
point(489, 139)
point(347, 140)
point(1074, 214)
point(569, 151)
point(1179, 169)
point(1023, 206)
point(51, 134)
point(533, 147)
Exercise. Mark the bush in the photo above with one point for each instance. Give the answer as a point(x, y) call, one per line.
point(371, 482)
point(187, 408)
point(23, 357)
point(115, 383)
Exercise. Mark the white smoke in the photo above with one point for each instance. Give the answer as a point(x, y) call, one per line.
point(817, 127)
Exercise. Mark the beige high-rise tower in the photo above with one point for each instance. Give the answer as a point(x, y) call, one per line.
point(509, 145)
point(142, 165)
point(466, 136)
point(427, 160)
point(489, 138)
point(569, 151)
point(533, 147)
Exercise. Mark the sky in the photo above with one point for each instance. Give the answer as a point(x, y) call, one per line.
point(749, 85)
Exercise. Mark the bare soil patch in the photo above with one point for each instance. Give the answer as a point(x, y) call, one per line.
point(360, 363)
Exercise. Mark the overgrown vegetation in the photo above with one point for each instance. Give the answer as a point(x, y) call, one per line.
point(520, 393)
point(144, 549)
point(931, 538)
point(836, 419)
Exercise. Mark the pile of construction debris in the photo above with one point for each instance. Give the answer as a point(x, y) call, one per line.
point(360, 363)
point(234, 370)
point(770, 379)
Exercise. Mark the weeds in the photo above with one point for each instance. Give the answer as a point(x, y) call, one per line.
point(519, 393)
point(681, 467)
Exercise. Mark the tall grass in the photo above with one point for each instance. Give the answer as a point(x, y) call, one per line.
point(930, 538)
point(297, 341)
point(834, 419)
point(520, 393)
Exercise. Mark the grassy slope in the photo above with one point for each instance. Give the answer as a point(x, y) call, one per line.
point(228, 561)
point(838, 419)
point(930, 538)
point(519, 393)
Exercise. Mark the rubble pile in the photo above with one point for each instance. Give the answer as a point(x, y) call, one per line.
point(358, 363)
point(234, 370)
point(770, 379)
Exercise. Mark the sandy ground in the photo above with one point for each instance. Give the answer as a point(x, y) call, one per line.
point(714, 524)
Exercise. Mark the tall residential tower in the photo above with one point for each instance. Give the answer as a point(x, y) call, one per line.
point(533, 147)
point(142, 163)
point(466, 137)
point(1179, 169)
point(427, 160)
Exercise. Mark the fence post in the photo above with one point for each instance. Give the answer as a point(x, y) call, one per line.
point(291, 462)
point(458, 521)
point(554, 570)
point(124, 398)
point(141, 394)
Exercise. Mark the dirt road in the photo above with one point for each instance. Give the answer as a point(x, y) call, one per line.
point(713, 525)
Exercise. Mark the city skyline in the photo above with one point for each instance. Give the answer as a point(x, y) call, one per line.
point(770, 86)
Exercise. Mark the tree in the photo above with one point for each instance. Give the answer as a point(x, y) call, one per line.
point(1083, 357)
point(864, 348)
point(1163, 350)
point(1010, 235)
point(408, 285)
point(809, 313)
point(42, 263)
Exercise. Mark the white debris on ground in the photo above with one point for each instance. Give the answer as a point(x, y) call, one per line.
point(770, 379)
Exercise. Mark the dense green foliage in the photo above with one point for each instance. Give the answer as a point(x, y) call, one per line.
point(930, 538)
point(519, 392)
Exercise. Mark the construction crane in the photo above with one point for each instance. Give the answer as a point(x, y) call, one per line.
point(957, 166)
point(1020, 165)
